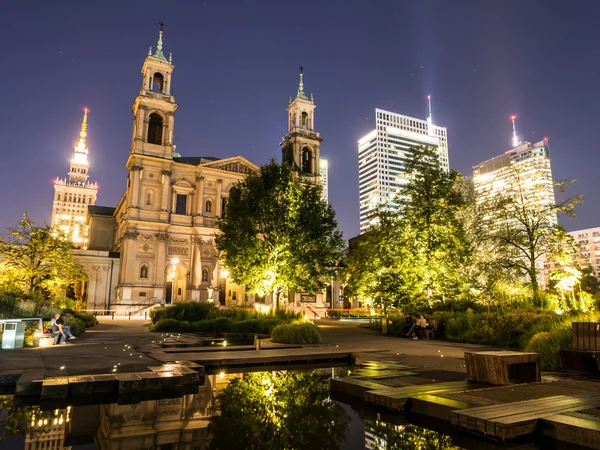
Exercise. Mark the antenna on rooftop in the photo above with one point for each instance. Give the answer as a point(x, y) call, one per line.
point(515, 140)
point(429, 117)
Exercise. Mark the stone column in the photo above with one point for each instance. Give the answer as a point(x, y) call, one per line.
point(200, 207)
point(218, 200)
point(161, 258)
point(166, 181)
point(136, 174)
point(171, 121)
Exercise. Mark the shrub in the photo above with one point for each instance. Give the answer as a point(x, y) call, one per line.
point(188, 311)
point(297, 333)
point(548, 343)
point(8, 305)
point(29, 337)
point(76, 325)
point(261, 326)
point(88, 319)
point(172, 325)
point(218, 325)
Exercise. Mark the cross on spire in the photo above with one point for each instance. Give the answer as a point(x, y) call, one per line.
point(301, 69)
point(162, 24)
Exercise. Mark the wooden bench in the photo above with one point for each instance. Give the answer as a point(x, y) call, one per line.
point(514, 419)
point(585, 349)
point(502, 367)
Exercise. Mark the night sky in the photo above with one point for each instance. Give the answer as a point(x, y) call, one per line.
point(236, 65)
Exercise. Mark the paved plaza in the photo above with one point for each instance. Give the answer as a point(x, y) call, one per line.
point(129, 345)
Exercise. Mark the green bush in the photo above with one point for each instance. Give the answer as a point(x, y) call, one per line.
point(187, 311)
point(88, 319)
point(172, 325)
point(548, 343)
point(29, 338)
point(8, 305)
point(77, 326)
point(297, 333)
point(260, 326)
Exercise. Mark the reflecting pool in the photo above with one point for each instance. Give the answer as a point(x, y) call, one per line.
point(260, 410)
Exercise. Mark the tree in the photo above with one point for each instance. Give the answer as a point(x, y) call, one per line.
point(37, 260)
point(278, 234)
point(522, 221)
point(429, 206)
point(381, 268)
point(278, 410)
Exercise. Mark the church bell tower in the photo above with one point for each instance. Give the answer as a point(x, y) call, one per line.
point(301, 146)
point(154, 107)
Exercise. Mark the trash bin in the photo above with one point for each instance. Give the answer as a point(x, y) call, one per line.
point(13, 336)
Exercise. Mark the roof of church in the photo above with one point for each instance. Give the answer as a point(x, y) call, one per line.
point(194, 160)
point(101, 210)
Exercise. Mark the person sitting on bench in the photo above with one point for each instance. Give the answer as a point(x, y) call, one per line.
point(60, 330)
point(423, 328)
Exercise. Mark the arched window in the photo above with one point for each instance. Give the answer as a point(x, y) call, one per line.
point(58, 196)
point(208, 206)
point(144, 271)
point(155, 126)
point(305, 121)
point(306, 160)
point(205, 274)
point(158, 82)
point(149, 197)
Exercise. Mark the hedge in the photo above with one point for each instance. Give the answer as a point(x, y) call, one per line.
point(218, 325)
point(296, 333)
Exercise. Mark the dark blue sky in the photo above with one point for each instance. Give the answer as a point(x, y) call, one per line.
point(236, 67)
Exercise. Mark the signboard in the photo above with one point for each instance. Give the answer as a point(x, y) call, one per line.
point(308, 298)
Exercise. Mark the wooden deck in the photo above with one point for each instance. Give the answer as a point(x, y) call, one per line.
point(395, 398)
point(227, 358)
point(514, 419)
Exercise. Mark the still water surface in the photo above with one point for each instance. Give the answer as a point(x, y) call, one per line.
point(260, 410)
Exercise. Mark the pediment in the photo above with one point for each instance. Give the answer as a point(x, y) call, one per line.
point(236, 164)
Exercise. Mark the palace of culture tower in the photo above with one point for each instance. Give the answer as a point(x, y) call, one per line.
point(157, 246)
point(74, 194)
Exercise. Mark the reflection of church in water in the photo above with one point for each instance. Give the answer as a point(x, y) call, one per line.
point(166, 424)
point(158, 244)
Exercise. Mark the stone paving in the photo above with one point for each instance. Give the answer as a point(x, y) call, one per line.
point(128, 346)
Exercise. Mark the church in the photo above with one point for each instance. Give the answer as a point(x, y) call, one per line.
point(157, 246)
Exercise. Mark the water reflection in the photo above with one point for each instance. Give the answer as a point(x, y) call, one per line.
point(278, 410)
point(387, 436)
point(262, 410)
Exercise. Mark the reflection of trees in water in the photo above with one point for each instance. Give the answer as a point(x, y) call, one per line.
point(406, 437)
point(286, 410)
point(18, 419)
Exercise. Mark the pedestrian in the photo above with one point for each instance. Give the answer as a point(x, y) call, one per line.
point(57, 325)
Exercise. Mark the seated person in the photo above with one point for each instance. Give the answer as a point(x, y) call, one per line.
point(62, 332)
point(409, 325)
point(422, 327)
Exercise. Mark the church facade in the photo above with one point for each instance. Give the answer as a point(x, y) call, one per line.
point(163, 230)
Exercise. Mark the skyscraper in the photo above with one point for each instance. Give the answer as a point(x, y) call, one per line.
point(528, 165)
point(324, 176)
point(74, 194)
point(381, 157)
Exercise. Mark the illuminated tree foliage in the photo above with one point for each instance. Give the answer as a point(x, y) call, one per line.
point(278, 234)
point(35, 260)
point(422, 253)
point(288, 410)
point(522, 223)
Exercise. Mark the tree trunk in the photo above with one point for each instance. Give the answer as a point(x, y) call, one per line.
point(535, 287)
point(275, 298)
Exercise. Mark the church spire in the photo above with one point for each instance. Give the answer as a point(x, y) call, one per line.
point(301, 93)
point(159, 45)
point(81, 146)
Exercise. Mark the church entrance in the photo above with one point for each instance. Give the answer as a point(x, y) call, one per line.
point(176, 284)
